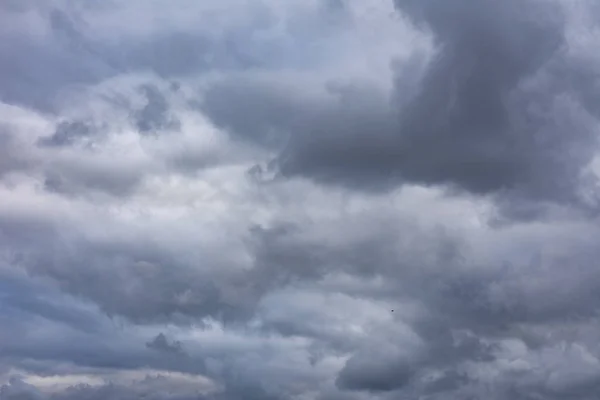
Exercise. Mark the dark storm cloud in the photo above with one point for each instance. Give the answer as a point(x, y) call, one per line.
point(460, 121)
point(489, 113)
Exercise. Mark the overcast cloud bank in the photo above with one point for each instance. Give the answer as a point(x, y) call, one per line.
point(224, 200)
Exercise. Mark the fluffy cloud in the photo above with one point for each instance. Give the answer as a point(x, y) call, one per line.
point(299, 200)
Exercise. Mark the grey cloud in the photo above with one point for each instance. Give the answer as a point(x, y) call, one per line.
point(21, 296)
point(497, 140)
point(192, 268)
point(467, 312)
point(487, 114)
point(146, 292)
point(87, 342)
point(19, 390)
point(36, 72)
point(161, 343)
point(11, 154)
point(330, 137)
point(81, 154)
point(39, 71)
point(109, 179)
point(462, 109)
point(154, 116)
point(377, 374)
point(156, 388)
point(256, 111)
point(149, 282)
point(134, 279)
point(66, 133)
point(78, 171)
point(485, 302)
point(68, 334)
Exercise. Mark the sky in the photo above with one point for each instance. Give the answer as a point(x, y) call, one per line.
point(299, 199)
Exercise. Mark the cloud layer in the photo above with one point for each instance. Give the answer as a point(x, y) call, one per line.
point(324, 200)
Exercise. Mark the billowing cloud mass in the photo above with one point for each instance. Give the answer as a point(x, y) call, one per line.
point(299, 199)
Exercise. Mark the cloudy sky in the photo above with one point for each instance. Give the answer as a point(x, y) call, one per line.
point(299, 199)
